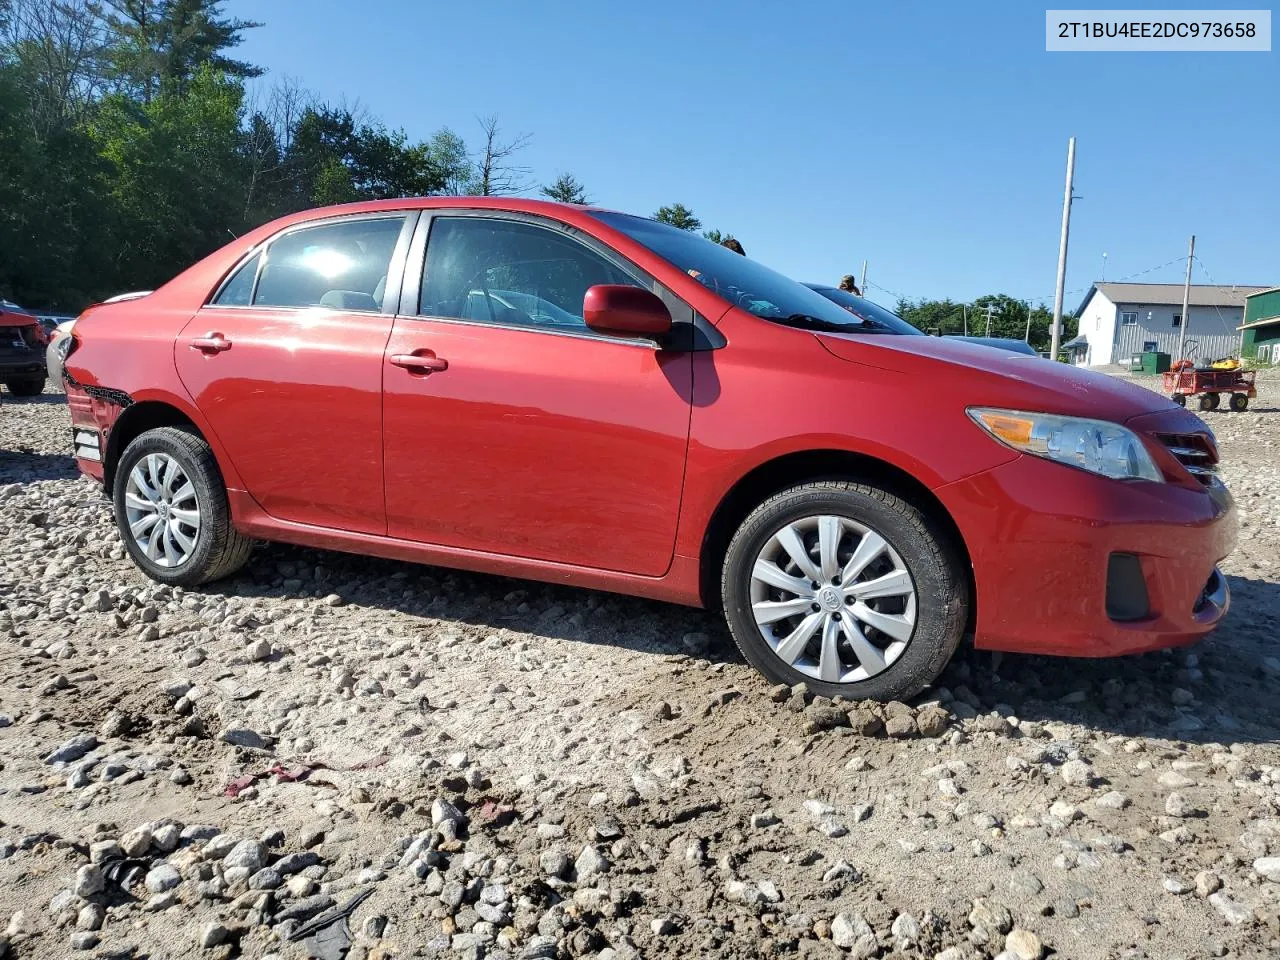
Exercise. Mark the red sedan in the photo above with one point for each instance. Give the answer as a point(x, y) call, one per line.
point(586, 397)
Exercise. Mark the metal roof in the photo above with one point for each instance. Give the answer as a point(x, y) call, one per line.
point(1202, 294)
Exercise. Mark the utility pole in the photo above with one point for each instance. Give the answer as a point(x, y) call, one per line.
point(964, 312)
point(1027, 338)
point(1186, 298)
point(863, 285)
point(1056, 339)
point(991, 311)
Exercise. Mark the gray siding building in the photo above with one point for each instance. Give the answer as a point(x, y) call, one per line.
point(1120, 319)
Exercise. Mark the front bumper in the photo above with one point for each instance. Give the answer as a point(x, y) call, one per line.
point(1042, 538)
point(28, 364)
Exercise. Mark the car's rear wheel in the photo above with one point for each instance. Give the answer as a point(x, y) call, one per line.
point(846, 588)
point(25, 388)
point(172, 512)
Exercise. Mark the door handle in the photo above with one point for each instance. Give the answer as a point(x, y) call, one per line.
point(424, 362)
point(210, 343)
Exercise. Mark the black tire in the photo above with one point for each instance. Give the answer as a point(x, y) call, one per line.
point(942, 590)
point(1180, 399)
point(26, 388)
point(1209, 401)
point(1239, 402)
point(220, 550)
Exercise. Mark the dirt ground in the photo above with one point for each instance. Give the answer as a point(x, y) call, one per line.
point(516, 770)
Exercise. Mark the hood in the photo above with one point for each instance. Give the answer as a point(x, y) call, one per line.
point(985, 376)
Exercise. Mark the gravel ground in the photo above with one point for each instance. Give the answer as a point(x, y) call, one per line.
point(516, 770)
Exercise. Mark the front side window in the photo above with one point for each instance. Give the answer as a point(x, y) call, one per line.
point(1129, 319)
point(510, 273)
point(342, 266)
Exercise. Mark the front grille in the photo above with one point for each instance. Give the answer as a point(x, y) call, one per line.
point(1196, 453)
point(23, 337)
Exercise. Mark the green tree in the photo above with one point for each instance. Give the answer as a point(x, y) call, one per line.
point(566, 189)
point(158, 43)
point(678, 215)
point(448, 153)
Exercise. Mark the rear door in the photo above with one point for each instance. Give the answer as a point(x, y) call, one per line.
point(519, 431)
point(286, 365)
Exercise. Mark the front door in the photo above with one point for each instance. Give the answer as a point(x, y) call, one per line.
point(286, 364)
point(510, 428)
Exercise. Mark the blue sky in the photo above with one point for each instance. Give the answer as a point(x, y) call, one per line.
point(929, 139)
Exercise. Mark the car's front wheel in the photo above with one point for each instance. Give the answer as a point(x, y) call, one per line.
point(847, 588)
point(171, 508)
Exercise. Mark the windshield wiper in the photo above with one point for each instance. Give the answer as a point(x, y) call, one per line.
point(809, 322)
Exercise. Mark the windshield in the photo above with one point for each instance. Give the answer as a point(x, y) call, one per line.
point(744, 283)
point(863, 309)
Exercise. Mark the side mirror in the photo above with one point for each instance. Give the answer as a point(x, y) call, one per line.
point(625, 311)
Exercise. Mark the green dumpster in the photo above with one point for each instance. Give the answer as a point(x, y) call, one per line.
point(1153, 361)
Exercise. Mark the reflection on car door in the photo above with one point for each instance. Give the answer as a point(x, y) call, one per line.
point(523, 433)
point(286, 364)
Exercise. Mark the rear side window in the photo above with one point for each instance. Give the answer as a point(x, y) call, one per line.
point(510, 273)
point(239, 288)
point(342, 266)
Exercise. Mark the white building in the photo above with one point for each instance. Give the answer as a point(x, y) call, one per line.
point(1118, 320)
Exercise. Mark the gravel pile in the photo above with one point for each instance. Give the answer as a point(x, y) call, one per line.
point(332, 750)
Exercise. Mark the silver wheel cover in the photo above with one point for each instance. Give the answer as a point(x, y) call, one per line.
point(161, 510)
point(832, 599)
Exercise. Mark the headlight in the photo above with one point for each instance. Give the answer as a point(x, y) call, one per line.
point(1098, 446)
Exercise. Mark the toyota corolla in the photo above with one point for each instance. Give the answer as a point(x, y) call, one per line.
point(586, 397)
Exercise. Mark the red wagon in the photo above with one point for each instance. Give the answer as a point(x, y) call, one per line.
point(1209, 385)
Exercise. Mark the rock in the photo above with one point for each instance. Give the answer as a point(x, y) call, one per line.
point(992, 916)
point(442, 810)
point(292, 863)
point(88, 881)
point(905, 929)
point(853, 933)
point(84, 940)
point(663, 926)
point(900, 727)
point(1268, 867)
point(1025, 883)
point(1023, 944)
point(1176, 805)
point(162, 877)
point(1112, 800)
point(244, 737)
point(91, 917)
point(1076, 773)
point(116, 724)
point(590, 864)
point(213, 935)
point(1176, 886)
point(166, 837)
point(73, 749)
point(864, 720)
point(932, 721)
point(258, 651)
point(247, 854)
point(555, 863)
point(1207, 882)
point(1234, 913)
